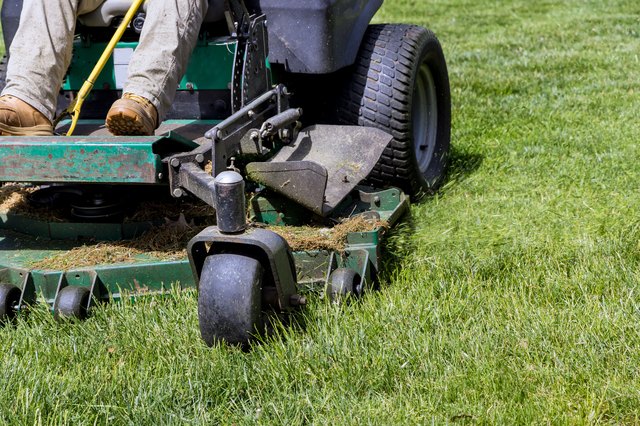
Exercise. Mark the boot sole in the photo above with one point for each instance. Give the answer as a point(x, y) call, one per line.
point(125, 122)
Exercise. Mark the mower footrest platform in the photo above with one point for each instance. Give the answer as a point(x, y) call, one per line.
point(82, 159)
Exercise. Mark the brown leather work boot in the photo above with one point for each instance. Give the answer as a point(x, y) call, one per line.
point(132, 115)
point(18, 118)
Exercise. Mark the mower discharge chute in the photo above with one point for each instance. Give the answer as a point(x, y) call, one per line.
point(316, 113)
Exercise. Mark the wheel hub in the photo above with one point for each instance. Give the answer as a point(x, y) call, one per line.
point(424, 117)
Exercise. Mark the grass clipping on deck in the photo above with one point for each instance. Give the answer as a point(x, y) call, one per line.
point(305, 238)
point(13, 199)
point(165, 242)
point(169, 241)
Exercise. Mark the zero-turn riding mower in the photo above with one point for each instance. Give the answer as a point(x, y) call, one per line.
point(376, 126)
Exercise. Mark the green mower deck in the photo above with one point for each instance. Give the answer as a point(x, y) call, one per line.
point(25, 241)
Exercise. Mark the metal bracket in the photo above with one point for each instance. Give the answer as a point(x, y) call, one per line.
point(97, 290)
point(260, 116)
point(62, 283)
point(358, 260)
point(250, 76)
point(265, 121)
point(186, 172)
point(28, 295)
point(237, 16)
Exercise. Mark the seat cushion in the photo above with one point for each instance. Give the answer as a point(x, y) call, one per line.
point(103, 16)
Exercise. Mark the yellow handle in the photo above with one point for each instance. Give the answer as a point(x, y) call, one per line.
point(76, 105)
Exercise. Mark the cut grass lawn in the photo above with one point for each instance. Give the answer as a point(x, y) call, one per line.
point(510, 297)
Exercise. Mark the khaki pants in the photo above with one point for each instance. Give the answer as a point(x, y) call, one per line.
point(42, 48)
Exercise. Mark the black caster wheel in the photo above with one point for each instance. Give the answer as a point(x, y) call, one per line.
point(9, 300)
point(344, 283)
point(72, 302)
point(229, 299)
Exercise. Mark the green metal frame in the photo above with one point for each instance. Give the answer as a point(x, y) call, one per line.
point(88, 159)
point(210, 66)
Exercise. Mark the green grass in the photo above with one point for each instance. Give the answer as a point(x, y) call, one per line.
point(511, 297)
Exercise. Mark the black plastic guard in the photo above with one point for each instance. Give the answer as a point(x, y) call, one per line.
point(323, 165)
point(304, 182)
point(315, 36)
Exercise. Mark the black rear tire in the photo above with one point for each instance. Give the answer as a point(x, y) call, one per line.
point(400, 84)
point(229, 299)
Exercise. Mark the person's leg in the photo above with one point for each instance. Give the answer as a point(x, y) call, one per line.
point(39, 57)
point(168, 37)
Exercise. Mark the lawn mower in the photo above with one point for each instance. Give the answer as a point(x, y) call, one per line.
point(290, 113)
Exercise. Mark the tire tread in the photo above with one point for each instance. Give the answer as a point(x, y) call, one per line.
point(379, 93)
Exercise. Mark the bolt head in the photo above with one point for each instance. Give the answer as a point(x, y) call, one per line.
point(177, 192)
point(175, 162)
point(297, 300)
point(228, 177)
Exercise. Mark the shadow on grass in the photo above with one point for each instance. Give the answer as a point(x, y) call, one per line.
point(462, 164)
point(399, 240)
